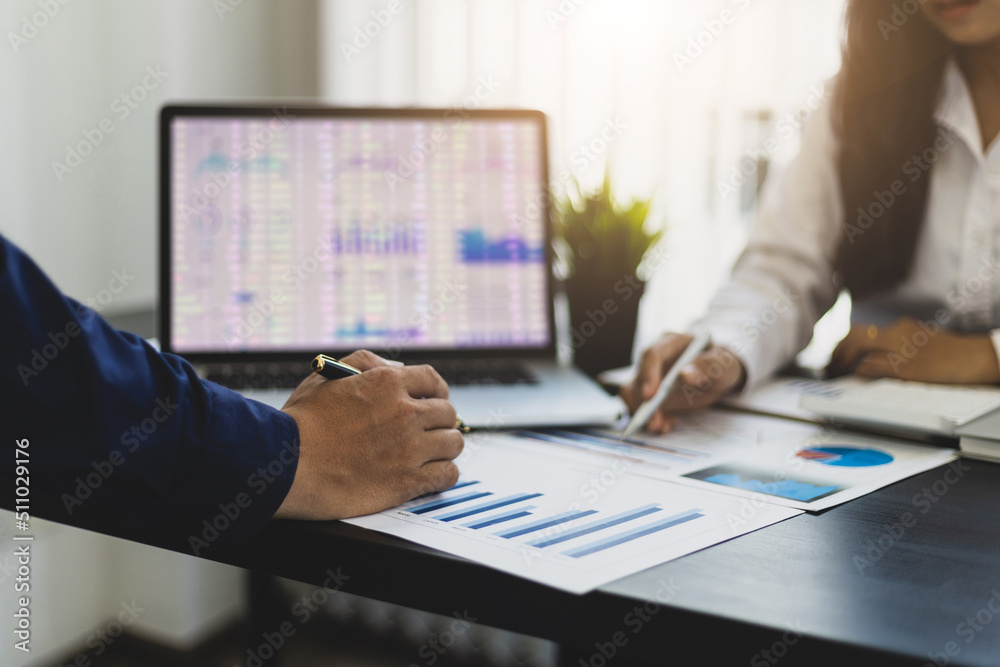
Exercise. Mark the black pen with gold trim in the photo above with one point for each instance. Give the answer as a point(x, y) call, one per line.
point(335, 369)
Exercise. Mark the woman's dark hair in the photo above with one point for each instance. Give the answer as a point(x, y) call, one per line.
point(883, 116)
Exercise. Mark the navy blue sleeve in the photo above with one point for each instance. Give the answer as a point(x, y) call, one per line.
point(122, 433)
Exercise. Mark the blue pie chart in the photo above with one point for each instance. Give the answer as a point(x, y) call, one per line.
point(846, 457)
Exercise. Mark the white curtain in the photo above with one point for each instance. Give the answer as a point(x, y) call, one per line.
point(689, 88)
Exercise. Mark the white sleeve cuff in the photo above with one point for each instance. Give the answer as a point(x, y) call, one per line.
point(995, 339)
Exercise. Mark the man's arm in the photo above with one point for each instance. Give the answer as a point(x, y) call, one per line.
point(123, 434)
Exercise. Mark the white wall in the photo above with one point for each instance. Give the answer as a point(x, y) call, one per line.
point(102, 217)
point(66, 79)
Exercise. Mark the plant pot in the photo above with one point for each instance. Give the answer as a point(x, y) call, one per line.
point(603, 315)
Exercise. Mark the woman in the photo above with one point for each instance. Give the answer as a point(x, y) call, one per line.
point(895, 196)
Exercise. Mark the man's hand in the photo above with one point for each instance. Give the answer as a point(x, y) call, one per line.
point(912, 350)
point(372, 441)
point(709, 378)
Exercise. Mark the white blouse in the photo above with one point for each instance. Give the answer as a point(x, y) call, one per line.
point(783, 282)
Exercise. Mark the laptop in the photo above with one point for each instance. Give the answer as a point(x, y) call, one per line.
point(422, 235)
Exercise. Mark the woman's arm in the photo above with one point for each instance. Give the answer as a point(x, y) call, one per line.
point(784, 281)
point(780, 287)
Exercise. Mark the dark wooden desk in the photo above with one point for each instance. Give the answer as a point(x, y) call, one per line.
point(903, 576)
point(912, 600)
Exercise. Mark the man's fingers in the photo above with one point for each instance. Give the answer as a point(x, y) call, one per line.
point(436, 413)
point(424, 382)
point(443, 444)
point(438, 476)
point(365, 360)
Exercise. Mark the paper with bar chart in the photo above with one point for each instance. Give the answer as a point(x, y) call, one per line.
point(565, 522)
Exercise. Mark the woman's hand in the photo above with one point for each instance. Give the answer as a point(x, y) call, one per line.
point(913, 350)
point(710, 377)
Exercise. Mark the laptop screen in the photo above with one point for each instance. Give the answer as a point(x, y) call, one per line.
point(307, 232)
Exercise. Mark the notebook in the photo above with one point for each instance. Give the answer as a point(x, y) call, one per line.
point(914, 407)
point(420, 234)
point(980, 438)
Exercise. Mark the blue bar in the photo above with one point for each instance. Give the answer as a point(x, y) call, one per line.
point(487, 506)
point(447, 502)
point(457, 486)
point(463, 484)
point(635, 533)
point(630, 449)
point(478, 524)
point(545, 523)
point(595, 526)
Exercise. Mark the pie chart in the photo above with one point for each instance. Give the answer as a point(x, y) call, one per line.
point(845, 457)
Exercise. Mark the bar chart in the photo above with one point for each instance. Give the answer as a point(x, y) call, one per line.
point(627, 524)
point(562, 521)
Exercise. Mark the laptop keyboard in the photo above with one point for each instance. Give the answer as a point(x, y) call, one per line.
point(258, 376)
point(456, 373)
point(462, 372)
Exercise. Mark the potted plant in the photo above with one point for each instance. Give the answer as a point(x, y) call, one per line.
point(601, 245)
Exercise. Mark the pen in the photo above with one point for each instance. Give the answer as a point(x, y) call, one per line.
point(646, 410)
point(335, 369)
